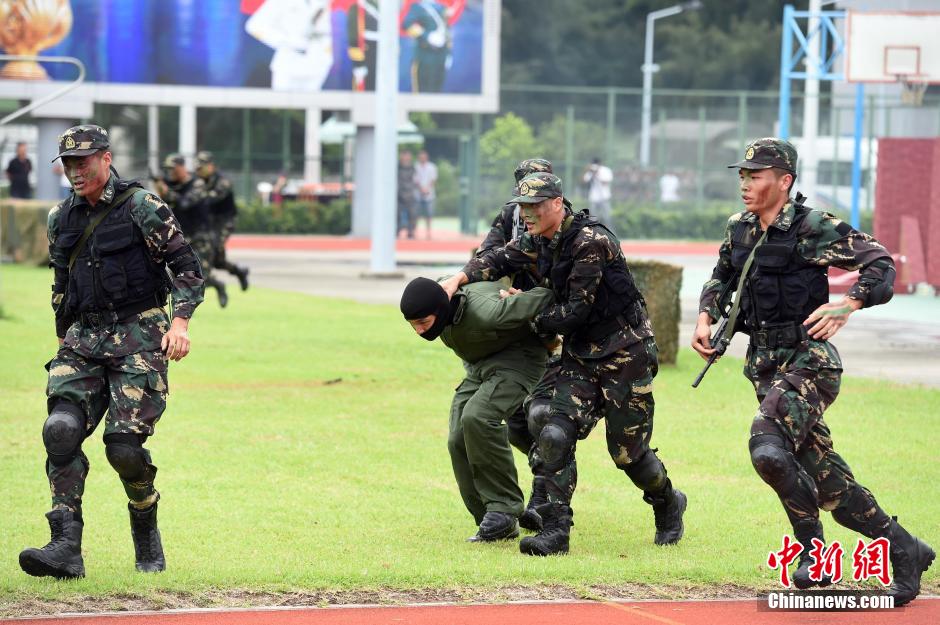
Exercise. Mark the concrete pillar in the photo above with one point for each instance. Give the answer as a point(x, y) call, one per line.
point(48, 185)
point(312, 151)
point(153, 138)
point(363, 161)
point(187, 140)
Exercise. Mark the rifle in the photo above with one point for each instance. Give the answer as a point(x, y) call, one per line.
point(718, 340)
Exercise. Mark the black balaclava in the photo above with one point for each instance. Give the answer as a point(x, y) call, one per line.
point(423, 297)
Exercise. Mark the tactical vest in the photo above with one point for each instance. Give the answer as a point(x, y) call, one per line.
point(224, 207)
point(782, 287)
point(114, 270)
point(192, 214)
point(616, 299)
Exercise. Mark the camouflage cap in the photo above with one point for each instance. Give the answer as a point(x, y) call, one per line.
point(82, 141)
point(172, 160)
point(531, 166)
point(538, 187)
point(204, 158)
point(768, 152)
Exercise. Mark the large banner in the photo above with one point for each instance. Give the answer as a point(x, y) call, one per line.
point(298, 46)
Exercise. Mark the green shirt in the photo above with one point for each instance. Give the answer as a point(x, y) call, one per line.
point(484, 324)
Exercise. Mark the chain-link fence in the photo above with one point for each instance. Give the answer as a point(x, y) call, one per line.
point(693, 136)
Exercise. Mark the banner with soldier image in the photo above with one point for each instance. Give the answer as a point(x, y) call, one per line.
point(299, 46)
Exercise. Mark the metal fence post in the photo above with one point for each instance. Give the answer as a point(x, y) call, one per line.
point(569, 150)
point(700, 178)
point(611, 122)
point(742, 120)
point(246, 154)
point(285, 142)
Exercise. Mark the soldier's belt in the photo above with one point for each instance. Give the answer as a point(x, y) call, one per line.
point(102, 318)
point(789, 335)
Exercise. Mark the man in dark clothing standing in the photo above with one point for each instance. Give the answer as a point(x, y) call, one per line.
point(18, 171)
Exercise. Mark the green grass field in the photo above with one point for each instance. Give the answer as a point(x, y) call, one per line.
point(304, 451)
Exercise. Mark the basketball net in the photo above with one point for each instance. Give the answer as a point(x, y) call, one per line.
point(912, 89)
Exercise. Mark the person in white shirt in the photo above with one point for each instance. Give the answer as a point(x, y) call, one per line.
point(425, 180)
point(598, 178)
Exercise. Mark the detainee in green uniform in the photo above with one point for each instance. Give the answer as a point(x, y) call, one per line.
point(504, 360)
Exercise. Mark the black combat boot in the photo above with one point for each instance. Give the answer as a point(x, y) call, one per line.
point(222, 293)
point(910, 558)
point(530, 518)
point(805, 531)
point(668, 508)
point(148, 549)
point(62, 557)
point(242, 274)
point(556, 527)
point(496, 526)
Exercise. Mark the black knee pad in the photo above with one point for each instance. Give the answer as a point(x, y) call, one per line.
point(537, 415)
point(859, 511)
point(127, 456)
point(63, 432)
point(556, 443)
point(774, 462)
point(647, 472)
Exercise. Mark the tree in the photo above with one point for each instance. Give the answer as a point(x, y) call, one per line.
point(504, 145)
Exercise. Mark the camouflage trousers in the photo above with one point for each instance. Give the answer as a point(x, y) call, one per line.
point(223, 230)
point(115, 373)
point(794, 387)
point(618, 388)
point(204, 245)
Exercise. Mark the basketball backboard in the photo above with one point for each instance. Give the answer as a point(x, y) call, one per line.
point(892, 46)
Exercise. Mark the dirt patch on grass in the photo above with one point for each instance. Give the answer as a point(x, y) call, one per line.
point(245, 598)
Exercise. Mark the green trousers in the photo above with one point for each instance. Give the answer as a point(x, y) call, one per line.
point(478, 439)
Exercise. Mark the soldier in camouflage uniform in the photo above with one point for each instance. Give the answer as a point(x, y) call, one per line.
point(608, 360)
point(784, 249)
point(222, 213)
point(186, 196)
point(527, 421)
point(112, 246)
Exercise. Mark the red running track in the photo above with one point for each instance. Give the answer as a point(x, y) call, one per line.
point(448, 242)
point(924, 611)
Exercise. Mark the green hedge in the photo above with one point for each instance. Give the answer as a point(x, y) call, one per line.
point(685, 221)
point(296, 218)
point(660, 284)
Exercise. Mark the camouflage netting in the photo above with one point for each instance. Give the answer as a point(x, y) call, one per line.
point(23, 228)
point(660, 284)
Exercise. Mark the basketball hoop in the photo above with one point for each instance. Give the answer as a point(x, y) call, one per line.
point(913, 88)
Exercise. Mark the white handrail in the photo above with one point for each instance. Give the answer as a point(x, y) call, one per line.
point(70, 60)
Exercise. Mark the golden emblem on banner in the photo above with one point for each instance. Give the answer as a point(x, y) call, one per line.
point(26, 28)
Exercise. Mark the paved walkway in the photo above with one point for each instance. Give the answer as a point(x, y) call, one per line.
point(731, 612)
point(899, 341)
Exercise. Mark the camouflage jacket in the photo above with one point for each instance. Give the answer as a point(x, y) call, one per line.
point(189, 204)
point(823, 240)
point(162, 236)
point(591, 250)
point(217, 192)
